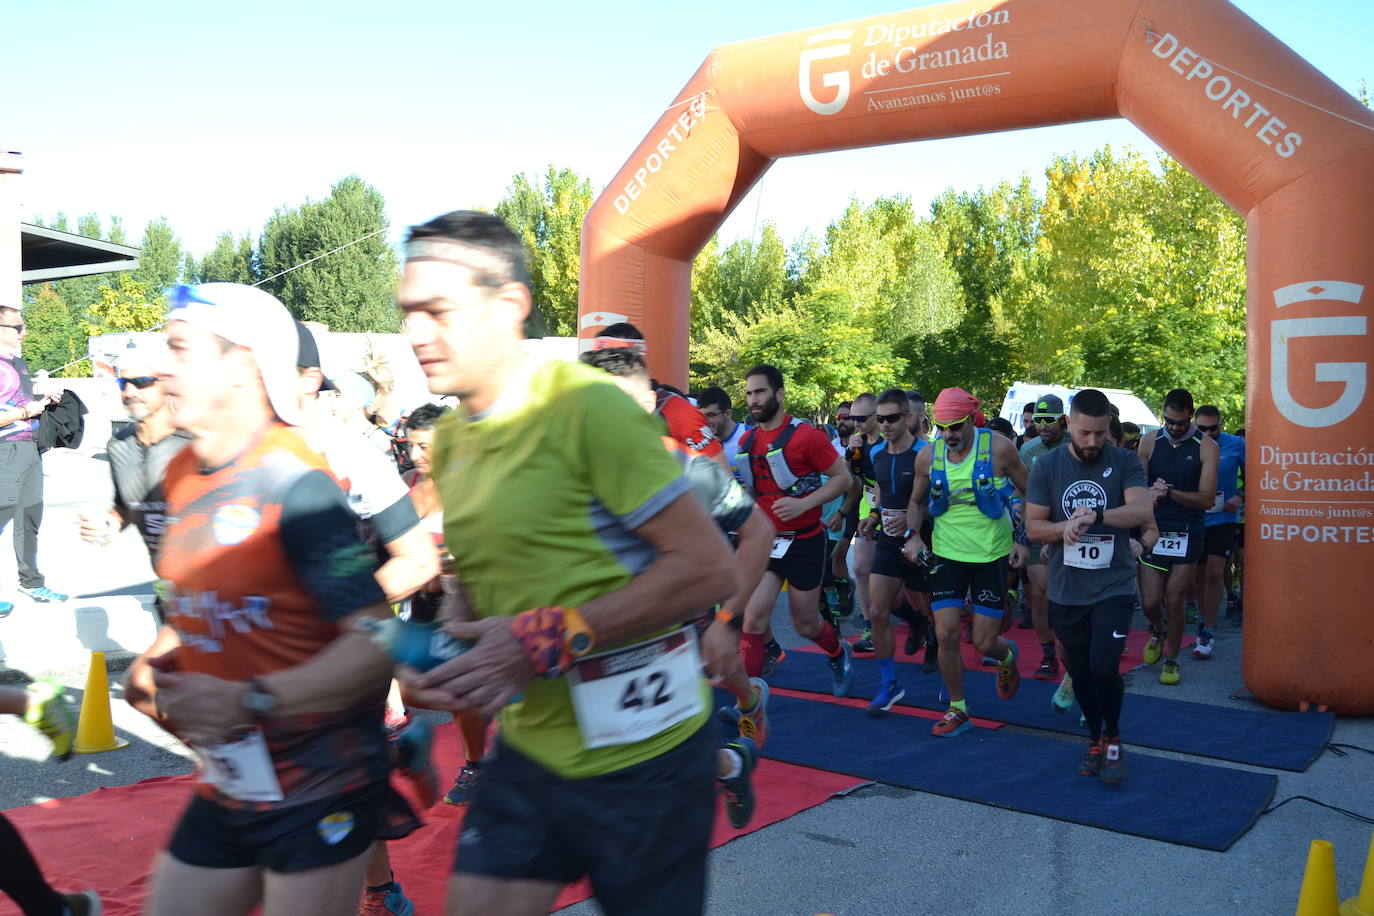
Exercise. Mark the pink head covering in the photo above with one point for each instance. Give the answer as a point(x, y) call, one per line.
point(954, 404)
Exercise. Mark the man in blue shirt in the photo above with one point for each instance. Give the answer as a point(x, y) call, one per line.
point(1220, 523)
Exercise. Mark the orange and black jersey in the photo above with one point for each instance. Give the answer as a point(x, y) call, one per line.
point(263, 557)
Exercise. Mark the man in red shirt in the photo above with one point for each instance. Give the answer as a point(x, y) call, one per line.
point(781, 462)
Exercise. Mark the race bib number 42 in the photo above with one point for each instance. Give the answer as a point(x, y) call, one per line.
point(1093, 551)
point(637, 692)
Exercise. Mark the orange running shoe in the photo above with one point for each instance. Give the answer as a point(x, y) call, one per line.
point(1008, 677)
point(954, 722)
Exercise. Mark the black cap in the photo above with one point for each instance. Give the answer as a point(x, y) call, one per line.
point(308, 354)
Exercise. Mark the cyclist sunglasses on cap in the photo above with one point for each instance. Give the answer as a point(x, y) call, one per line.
point(143, 381)
point(953, 426)
point(1044, 418)
point(888, 417)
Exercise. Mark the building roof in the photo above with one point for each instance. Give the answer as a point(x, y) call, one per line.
point(51, 254)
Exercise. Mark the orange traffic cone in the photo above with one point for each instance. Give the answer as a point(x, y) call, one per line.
point(95, 729)
point(1318, 896)
point(1363, 905)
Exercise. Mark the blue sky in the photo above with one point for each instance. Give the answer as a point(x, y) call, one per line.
point(212, 115)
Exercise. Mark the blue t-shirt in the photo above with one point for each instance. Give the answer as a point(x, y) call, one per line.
point(1229, 470)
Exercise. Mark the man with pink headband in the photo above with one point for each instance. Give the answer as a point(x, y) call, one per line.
point(964, 482)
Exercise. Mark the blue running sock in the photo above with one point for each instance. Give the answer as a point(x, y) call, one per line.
point(888, 667)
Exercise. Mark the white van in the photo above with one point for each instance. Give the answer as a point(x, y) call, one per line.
point(1133, 409)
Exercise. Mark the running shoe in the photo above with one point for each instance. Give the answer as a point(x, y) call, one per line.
point(930, 662)
point(1169, 674)
point(6, 608)
point(754, 724)
point(989, 662)
point(844, 590)
point(954, 722)
point(773, 655)
point(843, 670)
point(1205, 641)
point(1062, 701)
point(1013, 601)
point(864, 644)
point(389, 902)
point(465, 786)
point(1091, 764)
point(86, 903)
point(739, 789)
point(1048, 670)
point(43, 594)
point(1154, 647)
point(1113, 761)
point(1008, 677)
point(51, 714)
point(394, 720)
point(1082, 721)
point(412, 745)
point(888, 696)
point(914, 640)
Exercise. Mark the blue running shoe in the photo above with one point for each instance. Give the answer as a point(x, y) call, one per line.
point(843, 670)
point(888, 696)
point(390, 901)
point(739, 789)
point(44, 594)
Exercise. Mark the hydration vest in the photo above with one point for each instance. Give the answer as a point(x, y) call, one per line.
point(787, 481)
point(992, 501)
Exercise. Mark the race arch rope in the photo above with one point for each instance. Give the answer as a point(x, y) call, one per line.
point(1257, 124)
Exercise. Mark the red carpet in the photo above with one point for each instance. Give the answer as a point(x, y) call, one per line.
point(108, 839)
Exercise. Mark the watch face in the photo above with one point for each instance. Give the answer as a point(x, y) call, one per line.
point(579, 643)
point(258, 701)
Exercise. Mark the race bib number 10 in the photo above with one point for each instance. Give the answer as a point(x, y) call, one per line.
point(1093, 551)
point(637, 692)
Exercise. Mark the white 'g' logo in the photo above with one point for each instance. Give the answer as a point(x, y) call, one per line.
point(1353, 375)
point(836, 79)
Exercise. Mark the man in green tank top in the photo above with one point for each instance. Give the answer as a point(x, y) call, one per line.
point(963, 482)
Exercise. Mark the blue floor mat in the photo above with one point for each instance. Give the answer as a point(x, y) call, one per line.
point(1176, 801)
point(1281, 740)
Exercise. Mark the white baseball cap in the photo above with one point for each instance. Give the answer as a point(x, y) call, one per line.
point(251, 318)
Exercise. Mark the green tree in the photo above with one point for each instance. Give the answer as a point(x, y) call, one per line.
point(129, 307)
point(160, 257)
point(822, 354)
point(230, 261)
point(548, 218)
point(747, 276)
point(349, 289)
point(54, 334)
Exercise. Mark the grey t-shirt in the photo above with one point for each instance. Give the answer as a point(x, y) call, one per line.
point(1100, 565)
point(138, 473)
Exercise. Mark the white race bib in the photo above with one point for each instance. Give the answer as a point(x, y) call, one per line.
point(872, 494)
point(1093, 551)
point(1171, 544)
point(1220, 503)
point(780, 545)
point(637, 692)
point(241, 769)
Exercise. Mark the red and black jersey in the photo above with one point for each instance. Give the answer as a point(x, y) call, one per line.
point(264, 559)
point(686, 424)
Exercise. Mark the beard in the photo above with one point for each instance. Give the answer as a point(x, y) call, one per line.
point(767, 410)
point(1088, 456)
point(137, 411)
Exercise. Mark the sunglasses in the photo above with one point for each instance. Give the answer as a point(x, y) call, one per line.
point(1043, 419)
point(1168, 422)
point(143, 381)
point(15, 327)
point(841, 417)
point(954, 426)
point(1209, 429)
point(859, 418)
point(889, 417)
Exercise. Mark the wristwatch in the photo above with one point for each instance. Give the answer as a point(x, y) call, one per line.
point(259, 701)
point(578, 638)
point(1098, 515)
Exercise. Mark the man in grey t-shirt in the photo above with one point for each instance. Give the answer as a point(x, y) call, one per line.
point(1082, 502)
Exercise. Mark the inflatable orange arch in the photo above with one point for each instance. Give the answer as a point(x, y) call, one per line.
point(1261, 127)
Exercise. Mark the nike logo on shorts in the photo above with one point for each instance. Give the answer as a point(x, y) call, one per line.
point(1116, 635)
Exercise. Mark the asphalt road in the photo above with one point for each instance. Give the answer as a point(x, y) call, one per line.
point(883, 850)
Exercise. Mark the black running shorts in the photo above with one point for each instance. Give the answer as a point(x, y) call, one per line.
point(1192, 555)
point(1221, 539)
point(803, 566)
point(951, 581)
point(298, 838)
point(640, 834)
point(889, 561)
